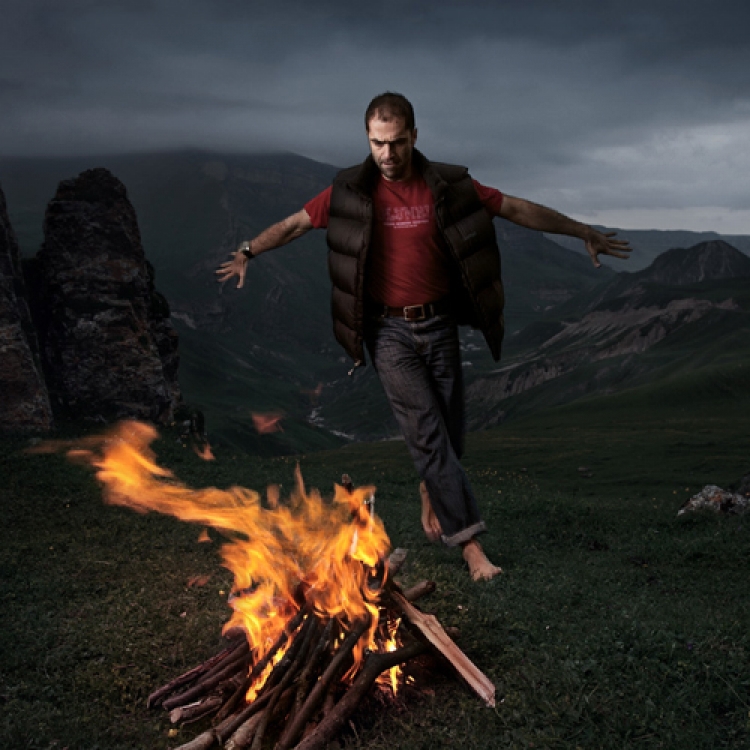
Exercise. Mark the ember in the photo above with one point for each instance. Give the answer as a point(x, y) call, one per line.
point(316, 619)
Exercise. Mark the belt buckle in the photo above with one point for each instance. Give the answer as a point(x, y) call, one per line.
point(421, 316)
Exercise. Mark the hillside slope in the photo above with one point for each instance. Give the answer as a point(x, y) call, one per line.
point(634, 330)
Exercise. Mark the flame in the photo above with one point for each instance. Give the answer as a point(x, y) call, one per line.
point(306, 550)
point(204, 452)
point(268, 422)
point(387, 642)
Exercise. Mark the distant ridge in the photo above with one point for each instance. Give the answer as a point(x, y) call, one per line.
point(714, 260)
point(706, 261)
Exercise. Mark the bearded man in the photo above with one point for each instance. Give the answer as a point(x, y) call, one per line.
point(412, 255)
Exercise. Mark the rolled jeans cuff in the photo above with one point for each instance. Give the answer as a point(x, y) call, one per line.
point(465, 535)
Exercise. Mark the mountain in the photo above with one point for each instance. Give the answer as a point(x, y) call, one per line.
point(712, 260)
point(707, 261)
point(688, 311)
point(268, 348)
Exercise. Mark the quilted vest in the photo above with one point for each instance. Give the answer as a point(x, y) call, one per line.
point(465, 228)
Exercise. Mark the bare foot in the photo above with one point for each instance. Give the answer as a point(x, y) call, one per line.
point(430, 522)
point(480, 568)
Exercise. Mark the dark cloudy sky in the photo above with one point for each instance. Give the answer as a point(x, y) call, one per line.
point(627, 113)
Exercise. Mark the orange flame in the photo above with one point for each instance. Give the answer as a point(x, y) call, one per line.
point(204, 452)
point(268, 422)
point(385, 644)
point(322, 553)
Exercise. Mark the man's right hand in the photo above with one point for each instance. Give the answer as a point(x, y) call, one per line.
point(275, 236)
point(237, 266)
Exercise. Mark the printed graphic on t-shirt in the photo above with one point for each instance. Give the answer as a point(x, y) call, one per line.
point(405, 217)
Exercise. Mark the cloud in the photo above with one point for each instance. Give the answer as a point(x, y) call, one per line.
point(586, 105)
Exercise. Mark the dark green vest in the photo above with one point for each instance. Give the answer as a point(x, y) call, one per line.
point(464, 225)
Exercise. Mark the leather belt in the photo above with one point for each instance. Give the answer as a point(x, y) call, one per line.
point(412, 313)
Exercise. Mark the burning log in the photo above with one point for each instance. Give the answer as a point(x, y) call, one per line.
point(375, 665)
point(431, 628)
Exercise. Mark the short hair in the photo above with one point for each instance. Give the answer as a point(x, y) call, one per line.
point(389, 106)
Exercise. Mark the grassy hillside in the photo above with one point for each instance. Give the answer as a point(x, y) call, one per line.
point(616, 623)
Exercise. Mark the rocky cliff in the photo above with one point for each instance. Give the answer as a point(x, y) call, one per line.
point(24, 401)
point(107, 345)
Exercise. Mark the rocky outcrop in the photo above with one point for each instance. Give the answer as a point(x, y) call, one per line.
point(24, 402)
point(715, 499)
point(108, 347)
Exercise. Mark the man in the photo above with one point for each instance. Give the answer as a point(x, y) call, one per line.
point(413, 253)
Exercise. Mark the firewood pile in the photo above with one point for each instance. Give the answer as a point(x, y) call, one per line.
point(310, 681)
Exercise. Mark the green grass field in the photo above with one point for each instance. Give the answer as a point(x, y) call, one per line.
point(615, 625)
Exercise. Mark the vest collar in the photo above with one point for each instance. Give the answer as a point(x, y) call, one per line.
point(435, 182)
point(367, 174)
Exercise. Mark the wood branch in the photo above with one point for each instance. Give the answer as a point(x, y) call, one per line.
point(204, 741)
point(245, 733)
point(317, 694)
point(239, 694)
point(331, 724)
point(209, 681)
point(307, 666)
point(419, 590)
point(194, 711)
point(286, 672)
point(273, 713)
point(218, 735)
point(396, 560)
point(230, 725)
point(239, 654)
point(158, 696)
point(431, 628)
point(311, 667)
point(250, 731)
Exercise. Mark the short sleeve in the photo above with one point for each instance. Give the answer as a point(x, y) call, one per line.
point(319, 207)
point(491, 198)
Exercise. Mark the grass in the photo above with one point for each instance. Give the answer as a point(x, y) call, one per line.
point(616, 624)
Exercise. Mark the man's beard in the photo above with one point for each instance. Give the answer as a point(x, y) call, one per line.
point(394, 170)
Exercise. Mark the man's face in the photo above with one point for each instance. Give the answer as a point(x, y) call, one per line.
point(391, 145)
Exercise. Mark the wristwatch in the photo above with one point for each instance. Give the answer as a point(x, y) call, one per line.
point(245, 250)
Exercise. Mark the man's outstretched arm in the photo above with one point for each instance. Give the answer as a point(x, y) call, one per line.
point(543, 219)
point(275, 236)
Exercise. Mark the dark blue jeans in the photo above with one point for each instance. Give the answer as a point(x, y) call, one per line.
point(419, 365)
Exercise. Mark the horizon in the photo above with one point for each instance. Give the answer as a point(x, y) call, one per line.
point(200, 150)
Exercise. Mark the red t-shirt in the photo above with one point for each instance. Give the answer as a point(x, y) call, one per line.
point(407, 264)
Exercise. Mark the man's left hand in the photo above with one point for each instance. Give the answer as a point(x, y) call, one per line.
point(601, 243)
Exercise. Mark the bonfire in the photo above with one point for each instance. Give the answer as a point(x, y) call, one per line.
point(317, 618)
